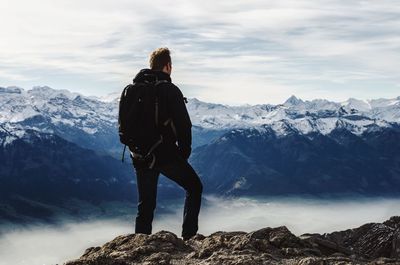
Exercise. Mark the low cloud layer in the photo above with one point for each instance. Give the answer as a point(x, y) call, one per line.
point(50, 245)
point(271, 49)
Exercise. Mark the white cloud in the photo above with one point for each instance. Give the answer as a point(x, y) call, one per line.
point(281, 47)
point(40, 244)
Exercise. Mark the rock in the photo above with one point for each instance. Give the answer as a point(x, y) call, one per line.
point(371, 240)
point(372, 243)
point(396, 245)
point(393, 222)
point(311, 261)
point(137, 248)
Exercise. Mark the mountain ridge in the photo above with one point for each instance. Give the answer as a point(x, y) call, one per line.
point(299, 147)
point(74, 116)
point(252, 161)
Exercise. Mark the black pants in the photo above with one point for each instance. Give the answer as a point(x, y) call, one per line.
point(180, 171)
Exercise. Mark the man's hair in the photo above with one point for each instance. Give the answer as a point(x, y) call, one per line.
point(159, 58)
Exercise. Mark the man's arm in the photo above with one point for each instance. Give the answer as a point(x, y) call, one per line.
point(181, 121)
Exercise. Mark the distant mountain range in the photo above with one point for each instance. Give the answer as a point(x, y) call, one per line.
point(262, 162)
point(58, 145)
point(86, 121)
point(42, 173)
point(91, 122)
point(40, 170)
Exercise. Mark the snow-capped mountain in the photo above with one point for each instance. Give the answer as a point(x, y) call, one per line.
point(313, 147)
point(79, 118)
point(304, 116)
point(86, 121)
point(256, 162)
point(60, 106)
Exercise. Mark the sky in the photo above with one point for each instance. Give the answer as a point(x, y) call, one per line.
point(232, 52)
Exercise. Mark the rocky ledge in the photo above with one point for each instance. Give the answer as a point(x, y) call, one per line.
point(371, 243)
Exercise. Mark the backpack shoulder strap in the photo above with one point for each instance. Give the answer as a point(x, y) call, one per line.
point(158, 82)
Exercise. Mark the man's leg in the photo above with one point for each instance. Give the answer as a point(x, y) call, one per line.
point(147, 196)
point(180, 171)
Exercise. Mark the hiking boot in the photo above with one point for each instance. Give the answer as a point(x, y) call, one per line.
point(186, 238)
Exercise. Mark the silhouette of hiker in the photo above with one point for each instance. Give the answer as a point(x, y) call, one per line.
point(171, 159)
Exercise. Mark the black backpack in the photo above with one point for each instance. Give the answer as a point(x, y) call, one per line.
point(138, 120)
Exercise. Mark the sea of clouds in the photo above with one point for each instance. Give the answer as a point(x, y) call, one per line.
point(55, 244)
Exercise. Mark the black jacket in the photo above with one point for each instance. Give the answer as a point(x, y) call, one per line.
point(174, 120)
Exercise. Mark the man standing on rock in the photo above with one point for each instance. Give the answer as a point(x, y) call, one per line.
point(171, 155)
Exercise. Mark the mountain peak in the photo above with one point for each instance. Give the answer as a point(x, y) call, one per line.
point(358, 104)
point(110, 97)
point(42, 89)
point(46, 92)
point(11, 90)
point(293, 101)
point(196, 100)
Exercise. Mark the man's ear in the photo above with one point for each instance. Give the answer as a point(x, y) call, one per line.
point(169, 68)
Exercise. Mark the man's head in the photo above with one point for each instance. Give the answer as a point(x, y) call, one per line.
point(160, 59)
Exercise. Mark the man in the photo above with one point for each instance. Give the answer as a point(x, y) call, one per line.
point(171, 159)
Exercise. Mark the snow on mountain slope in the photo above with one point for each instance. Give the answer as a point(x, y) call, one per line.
point(111, 97)
point(8, 134)
point(303, 116)
point(92, 114)
point(60, 107)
